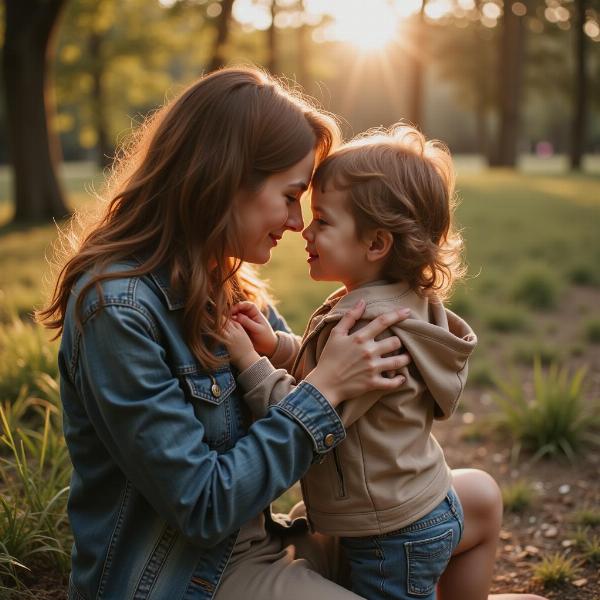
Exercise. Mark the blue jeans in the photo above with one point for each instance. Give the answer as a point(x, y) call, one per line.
point(406, 563)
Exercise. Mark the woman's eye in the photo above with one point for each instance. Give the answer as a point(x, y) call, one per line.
point(321, 221)
point(292, 198)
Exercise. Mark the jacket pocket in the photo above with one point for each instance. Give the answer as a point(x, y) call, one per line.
point(209, 394)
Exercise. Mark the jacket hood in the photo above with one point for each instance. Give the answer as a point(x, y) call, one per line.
point(438, 341)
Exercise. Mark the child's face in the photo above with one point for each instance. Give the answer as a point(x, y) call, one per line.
point(335, 252)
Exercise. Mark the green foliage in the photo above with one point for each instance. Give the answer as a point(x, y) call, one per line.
point(506, 319)
point(582, 274)
point(35, 470)
point(587, 517)
point(517, 496)
point(481, 374)
point(555, 569)
point(25, 353)
point(592, 331)
point(537, 288)
point(525, 352)
point(588, 544)
point(552, 416)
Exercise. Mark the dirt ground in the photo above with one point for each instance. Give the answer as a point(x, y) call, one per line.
point(544, 528)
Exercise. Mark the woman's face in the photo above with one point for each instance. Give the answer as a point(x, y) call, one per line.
point(264, 216)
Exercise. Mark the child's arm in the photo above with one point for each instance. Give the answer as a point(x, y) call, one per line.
point(280, 346)
point(264, 386)
point(242, 354)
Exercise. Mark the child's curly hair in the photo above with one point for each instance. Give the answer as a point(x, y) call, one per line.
point(398, 181)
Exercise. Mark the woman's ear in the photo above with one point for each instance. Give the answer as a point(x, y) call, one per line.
point(380, 244)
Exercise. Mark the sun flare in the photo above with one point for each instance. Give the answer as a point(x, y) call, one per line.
point(369, 30)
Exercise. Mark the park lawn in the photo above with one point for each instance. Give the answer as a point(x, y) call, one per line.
point(533, 288)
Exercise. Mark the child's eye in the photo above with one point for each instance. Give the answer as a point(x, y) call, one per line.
point(292, 198)
point(321, 222)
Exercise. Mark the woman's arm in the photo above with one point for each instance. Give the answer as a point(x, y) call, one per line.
point(139, 411)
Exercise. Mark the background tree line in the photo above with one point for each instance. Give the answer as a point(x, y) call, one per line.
point(493, 77)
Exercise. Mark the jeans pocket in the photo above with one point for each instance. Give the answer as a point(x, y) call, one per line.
point(426, 560)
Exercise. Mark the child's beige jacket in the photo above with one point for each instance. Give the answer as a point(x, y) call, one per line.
point(389, 471)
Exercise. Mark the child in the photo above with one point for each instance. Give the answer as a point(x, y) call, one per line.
point(382, 226)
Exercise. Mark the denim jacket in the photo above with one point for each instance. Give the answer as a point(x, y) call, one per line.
point(167, 465)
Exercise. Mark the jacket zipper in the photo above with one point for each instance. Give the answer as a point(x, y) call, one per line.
point(340, 474)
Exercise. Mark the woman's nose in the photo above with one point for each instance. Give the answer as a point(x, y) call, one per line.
point(295, 222)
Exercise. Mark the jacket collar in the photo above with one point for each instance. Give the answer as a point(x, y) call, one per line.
point(162, 279)
point(378, 291)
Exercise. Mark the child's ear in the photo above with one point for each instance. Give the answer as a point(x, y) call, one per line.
point(380, 244)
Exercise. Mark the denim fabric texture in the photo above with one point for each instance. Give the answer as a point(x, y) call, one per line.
point(167, 465)
point(406, 563)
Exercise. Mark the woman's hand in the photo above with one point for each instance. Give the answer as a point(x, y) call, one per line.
point(241, 351)
point(353, 364)
point(257, 327)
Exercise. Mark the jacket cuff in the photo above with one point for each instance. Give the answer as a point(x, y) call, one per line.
point(319, 419)
point(285, 351)
point(255, 374)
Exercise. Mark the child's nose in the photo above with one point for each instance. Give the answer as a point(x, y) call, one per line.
point(307, 233)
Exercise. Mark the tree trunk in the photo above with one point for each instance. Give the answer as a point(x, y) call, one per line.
point(510, 65)
point(272, 41)
point(416, 94)
point(105, 149)
point(302, 49)
point(223, 23)
point(581, 84)
point(34, 146)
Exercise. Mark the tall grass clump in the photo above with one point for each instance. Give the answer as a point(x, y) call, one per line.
point(551, 417)
point(537, 288)
point(34, 478)
point(25, 353)
point(555, 570)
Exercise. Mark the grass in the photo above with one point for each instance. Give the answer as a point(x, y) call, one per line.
point(537, 287)
point(587, 517)
point(555, 570)
point(517, 496)
point(551, 417)
point(35, 471)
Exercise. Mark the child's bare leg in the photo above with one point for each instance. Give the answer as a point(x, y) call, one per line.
point(469, 573)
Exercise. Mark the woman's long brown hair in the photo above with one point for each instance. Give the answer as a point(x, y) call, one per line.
point(171, 197)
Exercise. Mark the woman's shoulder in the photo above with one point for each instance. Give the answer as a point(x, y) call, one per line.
point(123, 288)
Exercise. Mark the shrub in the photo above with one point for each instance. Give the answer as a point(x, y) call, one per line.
point(582, 274)
point(592, 331)
point(517, 496)
point(555, 570)
point(551, 418)
point(506, 320)
point(537, 288)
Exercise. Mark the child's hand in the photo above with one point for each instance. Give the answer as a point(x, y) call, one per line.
point(241, 351)
point(257, 327)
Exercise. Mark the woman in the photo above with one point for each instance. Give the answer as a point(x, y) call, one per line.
point(170, 481)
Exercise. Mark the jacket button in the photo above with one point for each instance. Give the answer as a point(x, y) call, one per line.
point(216, 390)
point(329, 440)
